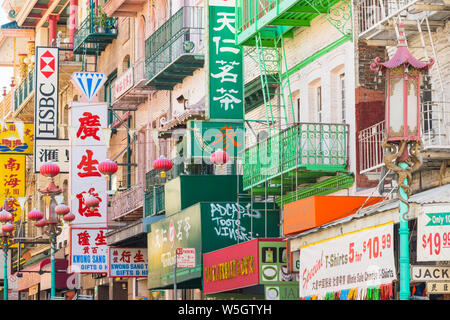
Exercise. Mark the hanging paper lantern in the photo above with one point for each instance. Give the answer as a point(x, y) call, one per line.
point(219, 157)
point(162, 164)
point(108, 167)
point(35, 214)
point(5, 216)
point(49, 169)
point(69, 217)
point(91, 202)
point(41, 223)
point(62, 209)
point(8, 227)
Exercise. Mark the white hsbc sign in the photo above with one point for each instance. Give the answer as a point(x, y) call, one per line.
point(46, 93)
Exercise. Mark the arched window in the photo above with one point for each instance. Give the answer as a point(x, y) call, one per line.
point(126, 63)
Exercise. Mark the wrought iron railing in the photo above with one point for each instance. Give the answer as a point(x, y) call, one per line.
point(24, 90)
point(312, 146)
point(126, 202)
point(180, 34)
point(435, 132)
point(154, 201)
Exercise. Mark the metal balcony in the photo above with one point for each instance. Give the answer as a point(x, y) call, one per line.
point(127, 205)
point(302, 152)
point(175, 50)
point(24, 93)
point(154, 201)
point(94, 34)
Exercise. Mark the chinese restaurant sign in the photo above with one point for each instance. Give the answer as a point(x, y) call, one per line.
point(46, 93)
point(433, 233)
point(89, 250)
point(88, 150)
point(225, 75)
point(358, 259)
point(205, 137)
point(127, 262)
point(56, 151)
point(12, 186)
point(17, 140)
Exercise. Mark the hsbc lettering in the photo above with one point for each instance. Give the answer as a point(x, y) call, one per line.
point(46, 96)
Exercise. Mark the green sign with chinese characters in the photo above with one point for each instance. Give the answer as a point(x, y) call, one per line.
point(205, 137)
point(225, 63)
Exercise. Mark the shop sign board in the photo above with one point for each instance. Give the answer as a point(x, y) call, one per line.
point(88, 250)
point(433, 233)
point(438, 288)
point(46, 93)
point(281, 292)
point(16, 137)
point(185, 257)
point(12, 186)
point(430, 273)
point(123, 83)
point(205, 227)
point(56, 151)
point(88, 149)
point(127, 262)
point(273, 263)
point(361, 258)
point(225, 63)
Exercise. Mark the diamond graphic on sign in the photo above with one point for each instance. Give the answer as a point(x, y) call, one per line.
point(89, 83)
point(47, 64)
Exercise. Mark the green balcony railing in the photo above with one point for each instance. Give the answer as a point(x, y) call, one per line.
point(24, 90)
point(154, 201)
point(95, 33)
point(180, 39)
point(304, 146)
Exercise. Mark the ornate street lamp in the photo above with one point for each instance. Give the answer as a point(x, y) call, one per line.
point(403, 142)
point(6, 240)
point(50, 221)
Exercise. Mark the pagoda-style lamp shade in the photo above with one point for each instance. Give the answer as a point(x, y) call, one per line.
point(5, 216)
point(8, 227)
point(403, 77)
point(108, 167)
point(91, 202)
point(61, 209)
point(163, 165)
point(49, 169)
point(35, 215)
point(69, 217)
point(219, 157)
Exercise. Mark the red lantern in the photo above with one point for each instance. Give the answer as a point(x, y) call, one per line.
point(162, 164)
point(69, 217)
point(219, 157)
point(35, 214)
point(49, 169)
point(5, 216)
point(62, 209)
point(91, 202)
point(41, 223)
point(8, 227)
point(108, 167)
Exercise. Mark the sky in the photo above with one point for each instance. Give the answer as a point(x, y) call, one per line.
point(5, 73)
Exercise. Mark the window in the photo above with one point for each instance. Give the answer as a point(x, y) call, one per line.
point(342, 85)
point(298, 109)
point(319, 103)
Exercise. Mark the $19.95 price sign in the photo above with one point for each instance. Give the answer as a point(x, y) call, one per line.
point(433, 234)
point(357, 259)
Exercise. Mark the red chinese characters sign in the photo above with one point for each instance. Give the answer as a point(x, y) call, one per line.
point(12, 186)
point(88, 249)
point(88, 150)
point(127, 262)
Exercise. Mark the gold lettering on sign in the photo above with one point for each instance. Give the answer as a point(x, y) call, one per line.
point(230, 269)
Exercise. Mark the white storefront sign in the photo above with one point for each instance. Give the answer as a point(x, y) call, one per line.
point(127, 262)
point(123, 83)
point(88, 150)
point(89, 251)
point(186, 257)
point(46, 93)
point(433, 233)
point(430, 273)
point(57, 151)
point(358, 259)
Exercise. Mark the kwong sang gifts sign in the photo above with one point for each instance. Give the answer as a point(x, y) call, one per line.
point(127, 262)
point(89, 250)
point(359, 259)
point(88, 150)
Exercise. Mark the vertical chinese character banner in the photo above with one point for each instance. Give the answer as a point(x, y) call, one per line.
point(225, 63)
point(88, 150)
point(12, 186)
point(89, 251)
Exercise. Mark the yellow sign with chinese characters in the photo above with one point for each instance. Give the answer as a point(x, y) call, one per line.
point(12, 186)
point(16, 138)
